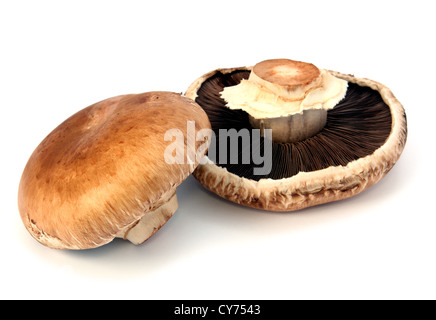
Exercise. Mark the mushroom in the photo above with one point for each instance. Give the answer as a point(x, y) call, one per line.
point(331, 135)
point(103, 174)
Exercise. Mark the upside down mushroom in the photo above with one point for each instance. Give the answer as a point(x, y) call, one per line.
point(331, 135)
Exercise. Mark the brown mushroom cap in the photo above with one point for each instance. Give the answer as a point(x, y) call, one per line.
point(363, 139)
point(101, 171)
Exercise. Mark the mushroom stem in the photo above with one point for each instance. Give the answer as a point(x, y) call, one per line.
point(290, 79)
point(151, 222)
point(292, 128)
point(289, 97)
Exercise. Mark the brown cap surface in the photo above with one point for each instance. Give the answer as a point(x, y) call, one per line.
point(104, 168)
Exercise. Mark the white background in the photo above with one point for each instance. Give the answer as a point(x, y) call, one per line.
point(58, 57)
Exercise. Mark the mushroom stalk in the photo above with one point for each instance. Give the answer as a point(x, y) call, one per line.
point(289, 97)
point(151, 222)
point(292, 128)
